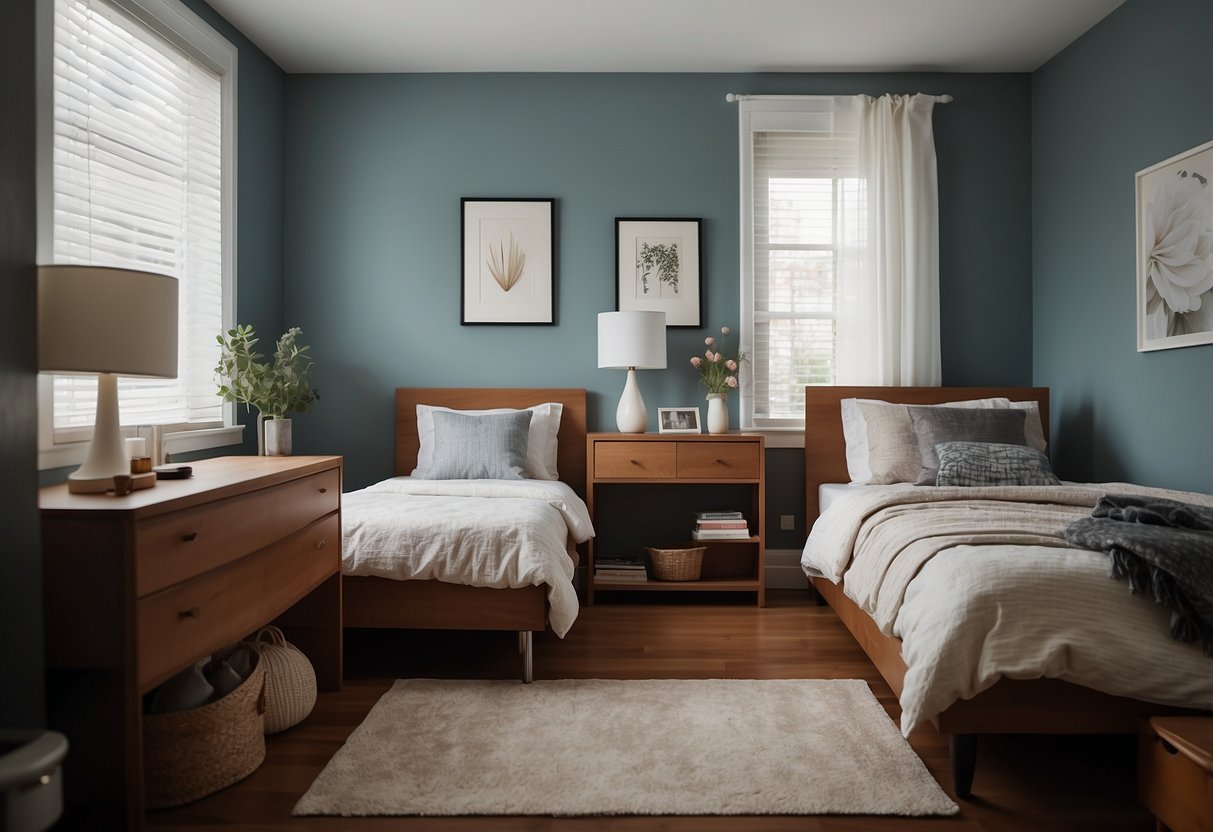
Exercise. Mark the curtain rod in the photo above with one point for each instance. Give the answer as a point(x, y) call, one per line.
point(731, 97)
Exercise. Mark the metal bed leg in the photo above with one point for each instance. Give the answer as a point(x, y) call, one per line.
point(524, 646)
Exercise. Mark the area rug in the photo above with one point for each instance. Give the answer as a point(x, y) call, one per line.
point(648, 747)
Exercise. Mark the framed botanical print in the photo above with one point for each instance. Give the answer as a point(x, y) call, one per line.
point(657, 268)
point(1175, 251)
point(508, 261)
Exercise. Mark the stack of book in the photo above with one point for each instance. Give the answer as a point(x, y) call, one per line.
point(619, 570)
point(720, 525)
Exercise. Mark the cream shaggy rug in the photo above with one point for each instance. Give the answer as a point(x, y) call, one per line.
point(651, 747)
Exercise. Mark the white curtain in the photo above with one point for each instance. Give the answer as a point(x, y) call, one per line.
point(888, 261)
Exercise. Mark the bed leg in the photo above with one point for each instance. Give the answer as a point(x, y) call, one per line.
point(524, 643)
point(962, 749)
point(818, 598)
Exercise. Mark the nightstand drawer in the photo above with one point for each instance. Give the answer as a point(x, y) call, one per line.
point(635, 460)
point(1170, 781)
point(180, 545)
point(199, 616)
point(718, 460)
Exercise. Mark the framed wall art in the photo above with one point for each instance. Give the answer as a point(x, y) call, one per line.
point(508, 261)
point(1175, 251)
point(657, 268)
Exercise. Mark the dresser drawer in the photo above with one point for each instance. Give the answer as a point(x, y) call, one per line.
point(635, 460)
point(182, 544)
point(718, 460)
point(1172, 785)
point(179, 624)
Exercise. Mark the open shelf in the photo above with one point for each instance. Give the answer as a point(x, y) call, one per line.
point(709, 584)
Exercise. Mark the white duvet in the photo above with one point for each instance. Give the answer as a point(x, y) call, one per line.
point(1022, 605)
point(489, 533)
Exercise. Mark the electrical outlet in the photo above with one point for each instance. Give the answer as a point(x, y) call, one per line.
point(787, 522)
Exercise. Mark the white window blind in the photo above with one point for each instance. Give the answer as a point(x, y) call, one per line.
point(138, 183)
point(804, 202)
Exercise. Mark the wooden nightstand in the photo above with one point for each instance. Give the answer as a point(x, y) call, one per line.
point(138, 587)
point(1175, 772)
point(620, 459)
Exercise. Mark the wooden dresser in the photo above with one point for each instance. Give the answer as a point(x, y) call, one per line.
point(141, 586)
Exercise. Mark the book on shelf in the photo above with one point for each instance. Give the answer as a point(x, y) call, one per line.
point(722, 524)
point(621, 578)
point(720, 534)
point(619, 563)
point(621, 572)
point(719, 515)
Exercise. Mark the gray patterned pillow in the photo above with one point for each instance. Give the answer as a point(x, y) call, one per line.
point(491, 446)
point(992, 463)
point(933, 425)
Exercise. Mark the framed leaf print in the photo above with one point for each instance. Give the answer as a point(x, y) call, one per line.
point(508, 261)
point(657, 268)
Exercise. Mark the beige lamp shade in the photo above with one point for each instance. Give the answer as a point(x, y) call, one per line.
point(96, 319)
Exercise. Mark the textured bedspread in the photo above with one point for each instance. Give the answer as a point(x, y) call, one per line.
point(490, 533)
point(979, 584)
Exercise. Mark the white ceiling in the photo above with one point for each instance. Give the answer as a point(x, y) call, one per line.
point(662, 35)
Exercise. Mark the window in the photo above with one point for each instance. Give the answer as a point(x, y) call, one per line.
point(802, 210)
point(137, 171)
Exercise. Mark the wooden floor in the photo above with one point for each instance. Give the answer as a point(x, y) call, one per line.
point(1045, 784)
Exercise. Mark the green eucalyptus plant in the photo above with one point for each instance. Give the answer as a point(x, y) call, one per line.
point(661, 258)
point(275, 389)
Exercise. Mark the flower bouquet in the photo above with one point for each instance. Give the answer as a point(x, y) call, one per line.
point(718, 373)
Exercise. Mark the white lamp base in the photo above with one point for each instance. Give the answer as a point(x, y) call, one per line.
point(106, 453)
point(630, 416)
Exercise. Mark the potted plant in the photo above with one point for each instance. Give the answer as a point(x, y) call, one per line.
point(275, 388)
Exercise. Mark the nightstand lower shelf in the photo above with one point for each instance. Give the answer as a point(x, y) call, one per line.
point(707, 584)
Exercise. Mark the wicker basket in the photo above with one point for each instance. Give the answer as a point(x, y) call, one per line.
point(290, 680)
point(676, 564)
point(190, 754)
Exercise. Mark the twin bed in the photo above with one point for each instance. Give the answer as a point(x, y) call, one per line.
point(970, 604)
point(479, 555)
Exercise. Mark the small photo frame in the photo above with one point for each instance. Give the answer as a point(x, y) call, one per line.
point(657, 268)
point(678, 420)
point(508, 255)
point(1174, 268)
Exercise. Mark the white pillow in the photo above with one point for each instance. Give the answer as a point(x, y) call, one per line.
point(1033, 430)
point(855, 430)
point(541, 438)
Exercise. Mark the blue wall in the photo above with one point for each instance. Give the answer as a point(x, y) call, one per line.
point(376, 165)
point(1136, 89)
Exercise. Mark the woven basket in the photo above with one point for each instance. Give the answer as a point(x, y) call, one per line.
point(290, 680)
point(190, 754)
point(676, 564)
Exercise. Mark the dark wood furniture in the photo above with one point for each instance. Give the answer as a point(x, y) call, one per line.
point(1011, 706)
point(1175, 772)
point(434, 605)
point(141, 586)
point(646, 459)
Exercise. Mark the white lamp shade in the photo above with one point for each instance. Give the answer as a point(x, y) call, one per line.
point(631, 339)
point(94, 319)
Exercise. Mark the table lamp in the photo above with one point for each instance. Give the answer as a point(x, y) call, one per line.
point(631, 341)
point(112, 322)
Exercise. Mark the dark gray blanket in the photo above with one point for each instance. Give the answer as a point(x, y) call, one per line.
point(1163, 547)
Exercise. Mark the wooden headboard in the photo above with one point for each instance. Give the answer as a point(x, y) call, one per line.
point(570, 455)
point(825, 454)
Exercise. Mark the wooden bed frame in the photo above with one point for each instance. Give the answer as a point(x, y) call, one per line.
point(435, 605)
point(1011, 706)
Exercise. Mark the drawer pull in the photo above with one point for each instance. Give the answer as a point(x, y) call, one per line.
point(324, 491)
point(634, 461)
point(320, 543)
point(192, 612)
point(721, 462)
point(1167, 747)
point(189, 537)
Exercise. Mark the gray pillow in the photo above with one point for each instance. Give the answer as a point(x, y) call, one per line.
point(990, 463)
point(491, 446)
point(936, 425)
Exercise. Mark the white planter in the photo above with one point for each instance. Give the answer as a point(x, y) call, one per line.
point(277, 437)
point(718, 413)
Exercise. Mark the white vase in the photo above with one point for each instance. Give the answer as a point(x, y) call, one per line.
point(277, 437)
point(718, 413)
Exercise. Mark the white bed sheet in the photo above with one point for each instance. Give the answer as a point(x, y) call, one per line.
point(488, 533)
point(972, 614)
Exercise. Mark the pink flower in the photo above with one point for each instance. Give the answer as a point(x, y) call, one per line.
point(716, 357)
point(724, 330)
point(731, 381)
point(708, 355)
point(709, 340)
point(732, 365)
point(696, 361)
